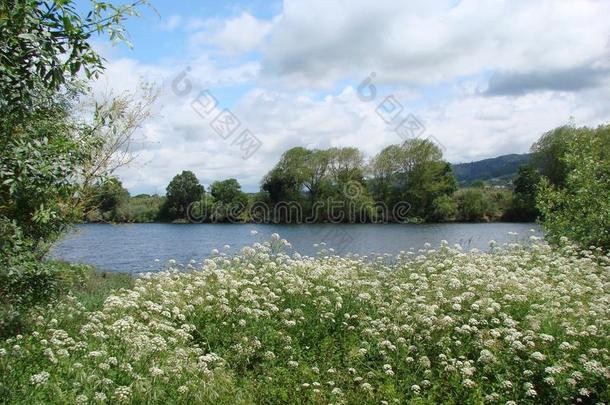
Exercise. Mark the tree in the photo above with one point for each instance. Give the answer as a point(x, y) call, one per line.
point(46, 44)
point(445, 208)
point(115, 119)
point(550, 150)
point(287, 179)
point(473, 205)
point(228, 192)
point(384, 167)
point(580, 209)
point(56, 157)
point(142, 208)
point(345, 165)
point(316, 180)
point(51, 155)
point(183, 190)
point(48, 149)
point(299, 171)
point(523, 206)
point(413, 172)
point(280, 186)
point(36, 170)
point(229, 200)
point(110, 198)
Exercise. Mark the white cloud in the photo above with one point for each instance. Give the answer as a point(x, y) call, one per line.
point(470, 127)
point(423, 42)
point(235, 35)
point(540, 57)
point(176, 138)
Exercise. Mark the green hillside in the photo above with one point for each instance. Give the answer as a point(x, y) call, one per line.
point(500, 170)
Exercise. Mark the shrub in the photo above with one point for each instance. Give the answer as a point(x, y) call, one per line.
point(445, 208)
point(473, 205)
point(26, 281)
point(580, 209)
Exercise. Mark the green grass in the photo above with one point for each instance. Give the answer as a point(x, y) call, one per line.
point(95, 286)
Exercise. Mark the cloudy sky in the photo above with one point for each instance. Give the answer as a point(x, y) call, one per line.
point(484, 78)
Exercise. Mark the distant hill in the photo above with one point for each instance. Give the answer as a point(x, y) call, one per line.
point(500, 170)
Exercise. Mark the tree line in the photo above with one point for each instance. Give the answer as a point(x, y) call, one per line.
point(340, 185)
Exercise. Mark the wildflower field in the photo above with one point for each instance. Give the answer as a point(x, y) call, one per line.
point(518, 324)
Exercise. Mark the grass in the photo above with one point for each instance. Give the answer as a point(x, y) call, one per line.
point(95, 286)
point(517, 325)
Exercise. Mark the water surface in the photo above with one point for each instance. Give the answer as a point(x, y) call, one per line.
point(135, 247)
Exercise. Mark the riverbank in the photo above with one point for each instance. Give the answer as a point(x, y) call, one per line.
point(529, 325)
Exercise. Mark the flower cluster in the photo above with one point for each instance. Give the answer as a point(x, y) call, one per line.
point(515, 325)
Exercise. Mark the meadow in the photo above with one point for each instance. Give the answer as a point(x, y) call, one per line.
point(519, 324)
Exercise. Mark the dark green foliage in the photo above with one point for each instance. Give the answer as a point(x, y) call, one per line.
point(30, 282)
point(228, 192)
point(473, 205)
point(40, 156)
point(47, 149)
point(142, 208)
point(412, 173)
point(108, 202)
point(280, 186)
point(317, 186)
point(45, 44)
point(182, 191)
point(316, 182)
point(445, 208)
point(523, 207)
point(112, 195)
point(482, 204)
point(229, 202)
point(120, 207)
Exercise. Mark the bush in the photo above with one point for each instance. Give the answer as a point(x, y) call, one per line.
point(580, 209)
point(445, 208)
point(25, 281)
point(473, 205)
point(141, 208)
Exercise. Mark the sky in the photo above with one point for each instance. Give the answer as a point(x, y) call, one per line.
point(240, 82)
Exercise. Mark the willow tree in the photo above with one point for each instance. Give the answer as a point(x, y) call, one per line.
point(413, 173)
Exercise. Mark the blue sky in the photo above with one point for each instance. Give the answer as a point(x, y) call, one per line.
point(484, 77)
